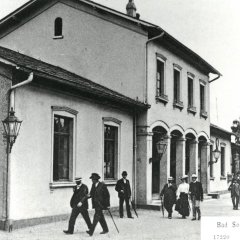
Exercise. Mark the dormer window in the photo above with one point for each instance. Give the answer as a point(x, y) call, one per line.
point(58, 26)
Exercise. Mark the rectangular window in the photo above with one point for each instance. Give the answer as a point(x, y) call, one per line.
point(160, 78)
point(222, 161)
point(176, 85)
point(110, 151)
point(63, 148)
point(211, 161)
point(190, 92)
point(202, 97)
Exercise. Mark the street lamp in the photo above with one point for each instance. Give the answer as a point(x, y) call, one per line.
point(161, 147)
point(11, 128)
point(216, 153)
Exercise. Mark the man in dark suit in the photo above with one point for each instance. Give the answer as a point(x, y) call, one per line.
point(169, 193)
point(196, 194)
point(100, 201)
point(79, 204)
point(235, 193)
point(124, 193)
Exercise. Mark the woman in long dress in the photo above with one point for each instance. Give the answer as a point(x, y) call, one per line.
point(182, 205)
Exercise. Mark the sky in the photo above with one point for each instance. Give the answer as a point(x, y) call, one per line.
point(211, 28)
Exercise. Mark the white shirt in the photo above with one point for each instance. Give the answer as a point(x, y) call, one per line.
point(96, 184)
point(183, 187)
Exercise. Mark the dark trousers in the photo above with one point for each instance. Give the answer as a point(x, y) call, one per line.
point(121, 201)
point(168, 206)
point(235, 200)
point(99, 217)
point(75, 212)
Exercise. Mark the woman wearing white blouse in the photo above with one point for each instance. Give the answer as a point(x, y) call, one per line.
point(182, 205)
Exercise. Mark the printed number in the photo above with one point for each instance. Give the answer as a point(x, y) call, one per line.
point(221, 237)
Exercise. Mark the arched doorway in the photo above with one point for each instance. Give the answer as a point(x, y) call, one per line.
point(158, 133)
point(176, 150)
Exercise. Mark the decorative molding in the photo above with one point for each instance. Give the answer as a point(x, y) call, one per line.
point(161, 57)
point(111, 119)
point(223, 144)
point(143, 131)
point(55, 185)
point(162, 98)
point(65, 109)
point(204, 114)
point(191, 75)
point(176, 66)
point(178, 104)
point(192, 110)
point(202, 82)
point(58, 37)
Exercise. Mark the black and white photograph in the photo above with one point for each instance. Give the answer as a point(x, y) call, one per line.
point(120, 119)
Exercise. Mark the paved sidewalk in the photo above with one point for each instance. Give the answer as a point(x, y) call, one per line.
point(149, 226)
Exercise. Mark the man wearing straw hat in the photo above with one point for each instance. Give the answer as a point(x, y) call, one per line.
point(196, 194)
point(79, 204)
point(169, 193)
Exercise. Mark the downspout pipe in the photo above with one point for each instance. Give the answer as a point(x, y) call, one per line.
point(12, 92)
point(148, 41)
point(216, 78)
point(9, 220)
point(134, 158)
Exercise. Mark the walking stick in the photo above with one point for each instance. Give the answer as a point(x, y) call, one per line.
point(134, 209)
point(162, 207)
point(113, 219)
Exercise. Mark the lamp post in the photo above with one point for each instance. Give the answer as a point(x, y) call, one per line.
point(216, 153)
point(161, 147)
point(11, 128)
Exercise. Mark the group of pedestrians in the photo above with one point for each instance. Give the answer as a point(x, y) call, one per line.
point(100, 201)
point(180, 196)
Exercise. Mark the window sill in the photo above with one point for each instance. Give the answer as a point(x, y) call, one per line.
point(178, 104)
point(55, 185)
point(192, 110)
point(58, 37)
point(223, 178)
point(204, 114)
point(162, 98)
point(110, 182)
point(212, 178)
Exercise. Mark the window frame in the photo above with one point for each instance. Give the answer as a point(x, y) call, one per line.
point(177, 103)
point(191, 107)
point(223, 161)
point(115, 123)
point(69, 113)
point(161, 96)
point(56, 23)
point(203, 111)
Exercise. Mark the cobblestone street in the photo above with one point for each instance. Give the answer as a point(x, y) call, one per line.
point(149, 225)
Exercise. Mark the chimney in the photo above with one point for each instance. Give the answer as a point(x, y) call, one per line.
point(131, 8)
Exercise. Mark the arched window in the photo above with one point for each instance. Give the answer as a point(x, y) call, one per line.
point(58, 27)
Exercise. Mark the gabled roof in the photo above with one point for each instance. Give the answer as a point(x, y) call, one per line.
point(51, 75)
point(153, 30)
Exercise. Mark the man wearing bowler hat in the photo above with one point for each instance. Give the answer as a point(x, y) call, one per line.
point(196, 194)
point(100, 201)
point(79, 204)
point(124, 193)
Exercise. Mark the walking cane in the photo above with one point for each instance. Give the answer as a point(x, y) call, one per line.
point(113, 220)
point(133, 207)
point(162, 207)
